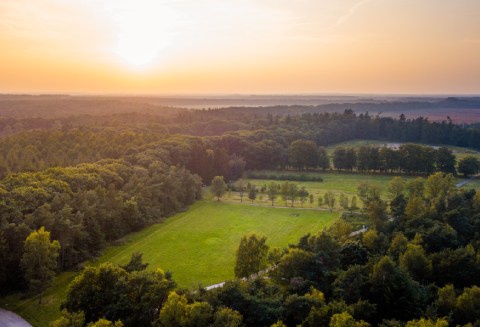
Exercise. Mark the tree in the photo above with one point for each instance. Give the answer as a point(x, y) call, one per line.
point(353, 205)
point(236, 167)
point(251, 256)
point(323, 160)
point(289, 192)
point(415, 187)
point(39, 260)
point(311, 199)
point(344, 158)
point(345, 319)
point(272, 190)
point(329, 200)
point(110, 291)
point(176, 312)
point(415, 261)
point(218, 187)
point(363, 158)
point(105, 323)
point(303, 193)
point(439, 186)
point(340, 230)
point(320, 201)
point(415, 207)
point(68, 319)
point(469, 166)
point(392, 290)
point(240, 186)
point(135, 263)
point(252, 193)
point(446, 300)
point(445, 160)
point(303, 154)
point(377, 213)
point(343, 201)
point(468, 305)
point(398, 245)
point(226, 317)
point(396, 187)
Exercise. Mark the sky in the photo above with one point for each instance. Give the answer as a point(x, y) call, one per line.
point(240, 46)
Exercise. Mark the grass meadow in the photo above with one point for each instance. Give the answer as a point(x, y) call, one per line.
point(198, 246)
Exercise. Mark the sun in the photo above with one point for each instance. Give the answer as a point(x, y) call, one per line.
point(142, 28)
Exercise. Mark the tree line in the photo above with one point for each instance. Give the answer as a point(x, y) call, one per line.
point(85, 206)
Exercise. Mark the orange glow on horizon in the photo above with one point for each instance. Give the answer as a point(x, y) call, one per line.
point(253, 46)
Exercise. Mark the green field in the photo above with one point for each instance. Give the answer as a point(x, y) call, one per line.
point(197, 246)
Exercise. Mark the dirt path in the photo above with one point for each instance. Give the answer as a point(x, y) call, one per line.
point(275, 206)
point(466, 181)
point(10, 319)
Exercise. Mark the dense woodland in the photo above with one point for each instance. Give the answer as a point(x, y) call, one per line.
point(91, 179)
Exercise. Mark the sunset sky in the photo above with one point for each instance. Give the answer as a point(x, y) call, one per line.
point(240, 46)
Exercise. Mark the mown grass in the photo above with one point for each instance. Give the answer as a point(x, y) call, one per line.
point(198, 246)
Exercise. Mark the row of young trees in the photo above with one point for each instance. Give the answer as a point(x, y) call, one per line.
point(417, 265)
point(287, 191)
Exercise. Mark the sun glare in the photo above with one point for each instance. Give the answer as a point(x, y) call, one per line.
point(143, 29)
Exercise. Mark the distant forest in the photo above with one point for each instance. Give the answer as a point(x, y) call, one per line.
point(92, 177)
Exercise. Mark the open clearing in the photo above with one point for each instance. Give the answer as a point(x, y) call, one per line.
point(198, 246)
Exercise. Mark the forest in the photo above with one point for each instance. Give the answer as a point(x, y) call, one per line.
point(71, 185)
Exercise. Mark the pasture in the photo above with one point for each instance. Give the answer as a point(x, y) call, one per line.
point(198, 246)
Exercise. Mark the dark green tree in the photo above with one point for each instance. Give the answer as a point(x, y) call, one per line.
point(218, 187)
point(469, 166)
point(303, 154)
point(251, 255)
point(445, 160)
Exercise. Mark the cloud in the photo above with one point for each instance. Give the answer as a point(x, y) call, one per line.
point(353, 9)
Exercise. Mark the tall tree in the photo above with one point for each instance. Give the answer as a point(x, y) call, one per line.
point(272, 191)
point(323, 160)
point(445, 160)
point(39, 260)
point(469, 166)
point(251, 256)
point(329, 200)
point(218, 187)
point(303, 154)
point(252, 193)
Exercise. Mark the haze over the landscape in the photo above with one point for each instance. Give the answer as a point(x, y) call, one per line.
point(213, 46)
